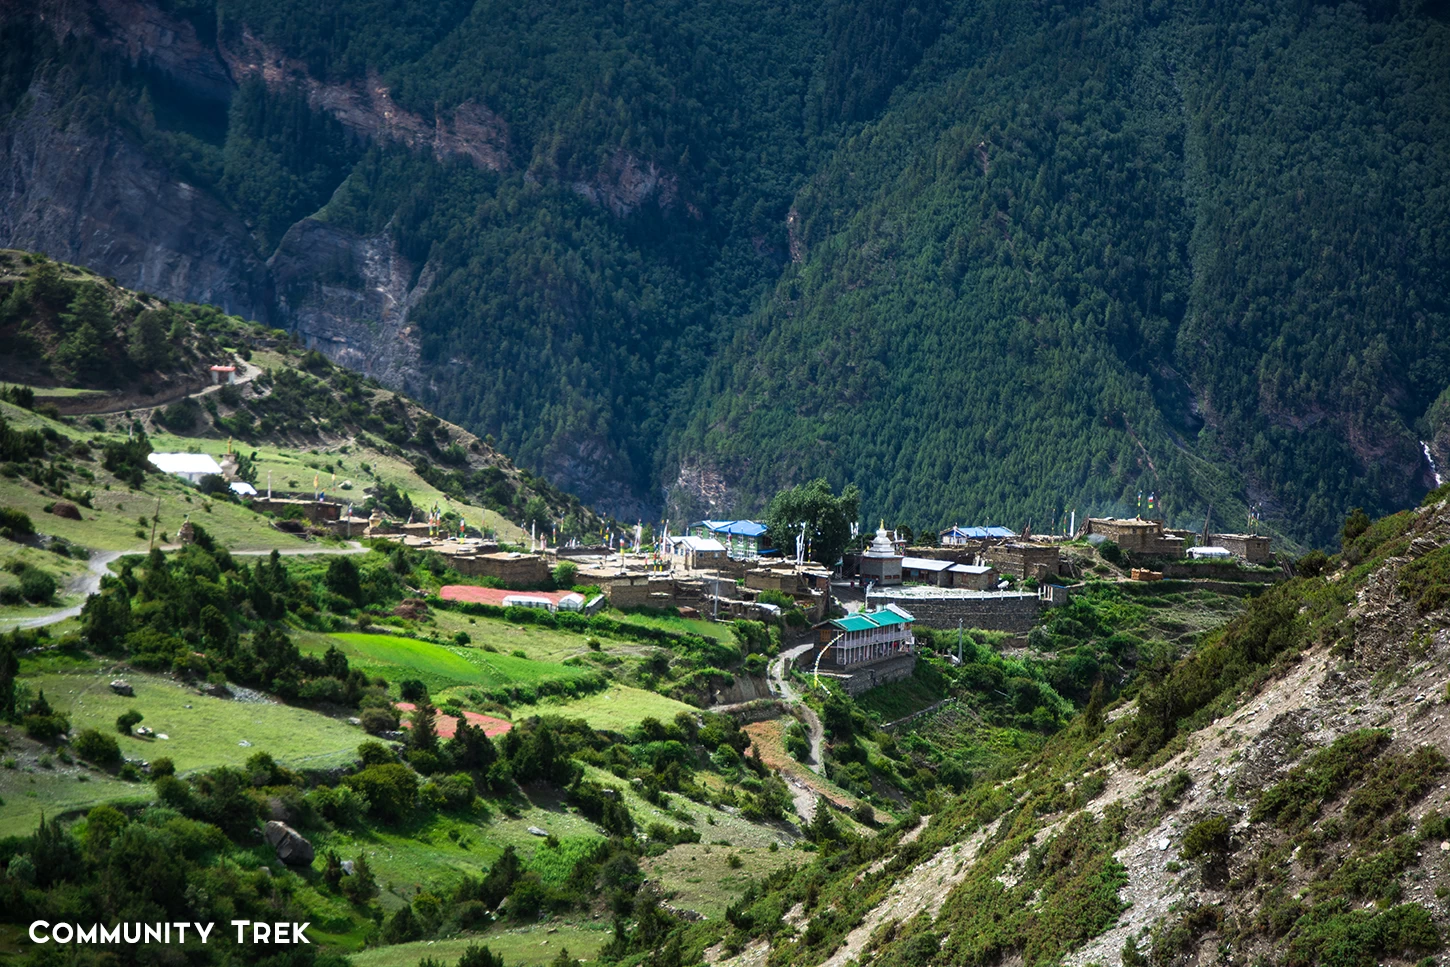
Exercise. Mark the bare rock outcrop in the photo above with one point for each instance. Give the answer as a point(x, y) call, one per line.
point(626, 183)
point(291, 846)
point(349, 297)
point(367, 108)
point(94, 198)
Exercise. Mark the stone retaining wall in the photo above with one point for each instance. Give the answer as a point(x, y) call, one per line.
point(1015, 612)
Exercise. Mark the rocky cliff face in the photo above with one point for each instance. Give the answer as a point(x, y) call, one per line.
point(349, 298)
point(144, 31)
point(95, 199)
point(626, 183)
point(367, 109)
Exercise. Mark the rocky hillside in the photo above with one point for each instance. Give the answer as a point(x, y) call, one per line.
point(1277, 796)
point(987, 261)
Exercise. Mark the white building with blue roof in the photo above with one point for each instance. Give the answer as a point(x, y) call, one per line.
point(744, 540)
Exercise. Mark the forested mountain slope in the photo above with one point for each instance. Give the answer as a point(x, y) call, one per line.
point(987, 260)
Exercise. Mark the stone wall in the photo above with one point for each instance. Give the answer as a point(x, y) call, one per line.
point(863, 678)
point(1025, 560)
point(1253, 548)
point(1008, 611)
point(315, 511)
point(1220, 571)
point(515, 570)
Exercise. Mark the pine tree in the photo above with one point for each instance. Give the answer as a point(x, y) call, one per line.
point(149, 346)
point(423, 735)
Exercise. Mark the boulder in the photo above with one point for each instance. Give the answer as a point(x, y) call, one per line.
point(291, 846)
point(122, 687)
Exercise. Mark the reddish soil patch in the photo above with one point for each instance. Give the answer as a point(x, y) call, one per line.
point(447, 725)
point(494, 596)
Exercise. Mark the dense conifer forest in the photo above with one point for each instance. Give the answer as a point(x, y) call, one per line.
point(987, 260)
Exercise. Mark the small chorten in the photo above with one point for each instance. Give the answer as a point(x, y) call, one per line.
point(880, 564)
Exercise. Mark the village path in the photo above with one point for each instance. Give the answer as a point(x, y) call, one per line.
point(246, 372)
point(84, 585)
point(781, 686)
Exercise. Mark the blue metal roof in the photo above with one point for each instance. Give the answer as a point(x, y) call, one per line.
point(991, 530)
point(735, 528)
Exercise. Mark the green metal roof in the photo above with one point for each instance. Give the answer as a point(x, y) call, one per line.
point(886, 617)
point(870, 620)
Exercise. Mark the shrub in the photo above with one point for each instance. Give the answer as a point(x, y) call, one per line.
point(413, 690)
point(391, 789)
point(42, 722)
point(1110, 552)
point(376, 720)
point(1354, 525)
point(36, 585)
point(162, 767)
point(15, 524)
point(127, 721)
point(212, 484)
point(564, 573)
point(97, 747)
point(1312, 565)
point(340, 805)
point(1209, 839)
point(1176, 787)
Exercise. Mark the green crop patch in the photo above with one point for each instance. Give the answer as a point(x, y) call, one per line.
point(615, 709)
point(443, 666)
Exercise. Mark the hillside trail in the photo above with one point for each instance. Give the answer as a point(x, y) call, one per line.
point(246, 372)
point(84, 585)
point(781, 686)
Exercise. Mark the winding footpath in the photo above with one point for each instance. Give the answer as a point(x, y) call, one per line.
point(780, 685)
point(84, 585)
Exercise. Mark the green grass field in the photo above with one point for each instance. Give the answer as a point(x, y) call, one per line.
point(618, 709)
point(205, 735)
point(542, 644)
point(698, 876)
point(520, 947)
point(699, 626)
point(440, 666)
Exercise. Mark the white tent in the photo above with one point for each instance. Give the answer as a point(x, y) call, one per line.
point(191, 466)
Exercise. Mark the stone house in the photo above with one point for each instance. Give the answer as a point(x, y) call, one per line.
point(1137, 536)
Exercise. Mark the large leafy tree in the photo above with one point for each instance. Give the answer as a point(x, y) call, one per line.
point(827, 516)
